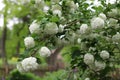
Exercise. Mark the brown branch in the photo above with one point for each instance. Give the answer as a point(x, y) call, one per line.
point(58, 50)
point(52, 59)
point(34, 52)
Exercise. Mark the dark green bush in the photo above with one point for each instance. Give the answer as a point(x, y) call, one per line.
point(16, 75)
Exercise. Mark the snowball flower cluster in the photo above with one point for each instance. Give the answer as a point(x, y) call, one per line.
point(72, 5)
point(20, 68)
point(51, 28)
point(116, 38)
point(34, 28)
point(28, 64)
point(113, 22)
point(56, 9)
point(88, 59)
point(83, 28)
point(99, 65)
point(104, 54)
point(113, 13)
point(29, 42)
point(103, 16)
point(44, 52)
point(97, 23)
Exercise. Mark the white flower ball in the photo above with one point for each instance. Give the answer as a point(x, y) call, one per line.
point(29, 42)
point(88, 59)
point(99, 65)
point(83, 28)
point(34, 28)
point(57, 12)
point(51, 28)
point(87, 78)
point(103, 16)
point(44, 52)
point(104, 54)
point(56, 9)
point(113, 22)
point(29, 64)
point(72, 5)
point(97, 23)
point(20, 68)
point(113, 13)
point(116, 38)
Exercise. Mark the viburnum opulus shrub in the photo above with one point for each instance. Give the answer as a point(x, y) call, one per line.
point(91, 28)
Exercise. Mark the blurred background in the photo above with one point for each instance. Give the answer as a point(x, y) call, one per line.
point(15, 18)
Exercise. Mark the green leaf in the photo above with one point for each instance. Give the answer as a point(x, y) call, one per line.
point(38, 60)
point(54, 19)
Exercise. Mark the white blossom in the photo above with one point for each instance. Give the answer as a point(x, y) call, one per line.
point(112, 22)
point(46, 8)
point(44, 52)
point(78, 40)
point(99, 65)
point(34, 28)
point(77, 5)
point(113, 13)
point(39, 3)
point(88, 59)
point(56, 9)
point(20, 68)
point(29, 42)
point(28, 64)
point(103, 16)
point(72, 5)
point(61, 27)
point(57, 12)
point(116, 38)
point(111, 1)
point(83, 28)
point(87, 78)
point(92, 49)
point(51, 28)
point(104, 54)
point(55, 1)
point(97, 23)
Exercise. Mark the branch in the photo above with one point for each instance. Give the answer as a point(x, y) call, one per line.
point(34, 52)
point(117, 18)
point(58, 50)
point(72, 22)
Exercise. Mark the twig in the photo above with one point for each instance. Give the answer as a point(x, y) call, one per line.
point(72, 22)
point(34, 52)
